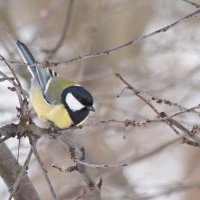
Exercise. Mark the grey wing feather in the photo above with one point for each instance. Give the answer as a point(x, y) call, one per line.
point(43, 75)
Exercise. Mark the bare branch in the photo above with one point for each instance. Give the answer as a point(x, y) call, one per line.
point(9, 170)
point(15, 76)
point(129, 43)
point(109, 51)
point(44, 171)
point(169, 121)
point(76, 153)
point(66, 169)
point(9, 130)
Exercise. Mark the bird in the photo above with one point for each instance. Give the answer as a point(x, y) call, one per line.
point(62, 102)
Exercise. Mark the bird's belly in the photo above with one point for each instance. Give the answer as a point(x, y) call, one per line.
point(54, 113)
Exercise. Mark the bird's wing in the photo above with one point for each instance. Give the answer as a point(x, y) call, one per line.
point(55, 87)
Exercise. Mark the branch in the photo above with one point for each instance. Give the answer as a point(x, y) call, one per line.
point(171, 190)
point(129, 43)
point(8, 131)
point(94, 190)
point(22, 97)
point(110, 51)
point(169, 121)
point(21, 174)
point(9, 170)
point(66, 169)
point(192, 3)
point(44, 171)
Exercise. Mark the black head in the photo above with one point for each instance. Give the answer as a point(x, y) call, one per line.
point(78, 101)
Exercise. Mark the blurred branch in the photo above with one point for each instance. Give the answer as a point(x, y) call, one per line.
point(162, 190)
point(6, 79)
point(64, 32)
point(9, 170)
point(180, 187)
point(131, 158)
point(45, 19)
point(20, 176)
point(192, 3)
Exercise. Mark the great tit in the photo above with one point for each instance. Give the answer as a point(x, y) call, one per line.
point(62, 102)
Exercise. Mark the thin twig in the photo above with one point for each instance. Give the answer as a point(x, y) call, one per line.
point(92, 165)
point(44, 171)
point(24, 110)
point(11, 80)
point(17, 89)
point(21, 174)
point(185, 130)
point(15, 76)
point(101, 165)
point(167, 102)
point(169, 121)
point(137, 93)
point(76, 153)
point(129, 43)
point(6, 79)
point(109, 51)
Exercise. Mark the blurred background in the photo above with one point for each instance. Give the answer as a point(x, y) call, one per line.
point(166, 65)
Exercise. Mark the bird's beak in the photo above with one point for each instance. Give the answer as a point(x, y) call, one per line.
point(90, 108)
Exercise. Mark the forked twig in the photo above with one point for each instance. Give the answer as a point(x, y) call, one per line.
point(169, 121)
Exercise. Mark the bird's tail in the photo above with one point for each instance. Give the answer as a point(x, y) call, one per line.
point(27, 57)
point(40, 73)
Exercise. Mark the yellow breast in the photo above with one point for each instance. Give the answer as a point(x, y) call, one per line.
point(54, 113)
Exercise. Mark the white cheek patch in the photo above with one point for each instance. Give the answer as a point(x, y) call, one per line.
point(73, 103)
